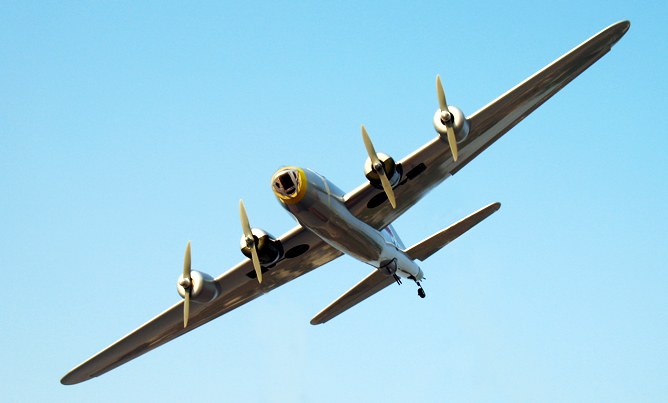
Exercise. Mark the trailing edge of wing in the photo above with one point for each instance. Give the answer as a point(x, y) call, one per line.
point(431, 245)
point(373, 283)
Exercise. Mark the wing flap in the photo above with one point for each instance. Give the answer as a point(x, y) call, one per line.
point(373, 283)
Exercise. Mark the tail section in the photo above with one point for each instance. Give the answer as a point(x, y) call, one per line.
point(422, 250)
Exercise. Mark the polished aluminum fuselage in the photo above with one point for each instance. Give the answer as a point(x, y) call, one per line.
point(321, 209)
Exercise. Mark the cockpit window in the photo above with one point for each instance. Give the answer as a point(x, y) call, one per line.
point(287, 183)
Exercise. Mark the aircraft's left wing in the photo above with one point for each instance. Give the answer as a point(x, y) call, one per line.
point(304, 251)
point(430, 165)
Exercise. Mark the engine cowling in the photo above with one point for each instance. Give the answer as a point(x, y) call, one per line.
point(460, 124)
point(392, 170)
point(204, 288)
point(269, 249)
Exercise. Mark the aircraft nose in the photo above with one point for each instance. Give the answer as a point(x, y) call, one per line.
point(289, 184)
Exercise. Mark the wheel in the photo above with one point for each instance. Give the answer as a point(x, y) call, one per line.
point(421, 293)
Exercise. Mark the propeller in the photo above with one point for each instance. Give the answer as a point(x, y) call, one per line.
point(378, 168)
point(446, 117)
point(187, 283)
point(250, 240)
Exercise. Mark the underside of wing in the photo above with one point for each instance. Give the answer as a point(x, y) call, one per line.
point(433, 163)
point(373, 283)
point(304, 252)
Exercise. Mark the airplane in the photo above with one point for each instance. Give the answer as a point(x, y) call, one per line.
point(332, 223)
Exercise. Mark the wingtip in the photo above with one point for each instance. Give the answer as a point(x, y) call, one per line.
point(71, 379)
point(622, 27)
point(617, 30)
point(317, 320)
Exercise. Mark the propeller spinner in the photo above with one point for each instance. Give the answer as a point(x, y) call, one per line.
point(378, 168)
point(446, 117)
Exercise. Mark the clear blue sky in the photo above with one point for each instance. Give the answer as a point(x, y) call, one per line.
point(128, 129)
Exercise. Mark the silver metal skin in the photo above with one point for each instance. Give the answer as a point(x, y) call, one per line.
point(203, 287)
point(423, 169)
point(322, 210)
point(460, 124)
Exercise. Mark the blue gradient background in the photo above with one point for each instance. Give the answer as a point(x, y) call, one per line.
point(128, 129)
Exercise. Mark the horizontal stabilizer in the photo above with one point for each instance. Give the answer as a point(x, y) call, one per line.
point(373, 283)
point(429, 246)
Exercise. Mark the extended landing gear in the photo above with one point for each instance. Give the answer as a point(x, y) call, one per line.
point(421, 292)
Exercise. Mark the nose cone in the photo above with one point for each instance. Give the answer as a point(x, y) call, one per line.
point(289, 184)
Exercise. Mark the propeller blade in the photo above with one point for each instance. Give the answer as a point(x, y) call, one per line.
point(375, 162)
point(369, 147)
point(186, 308)
point(452, 141)
point(245, 225)
point(248, 234)
point(186, 275)
point(256, 264)
point(186, 262)
point(441, 94)
point(388, 189)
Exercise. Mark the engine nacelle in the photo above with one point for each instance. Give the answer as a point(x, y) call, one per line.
point(204, 289)
point(269, 249)
point(392, 170)
point(460, 124)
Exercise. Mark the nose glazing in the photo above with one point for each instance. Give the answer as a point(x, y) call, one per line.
point(286, 183)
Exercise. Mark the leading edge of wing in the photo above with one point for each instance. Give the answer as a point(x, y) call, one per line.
point(236, 288)
point(430, 165)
